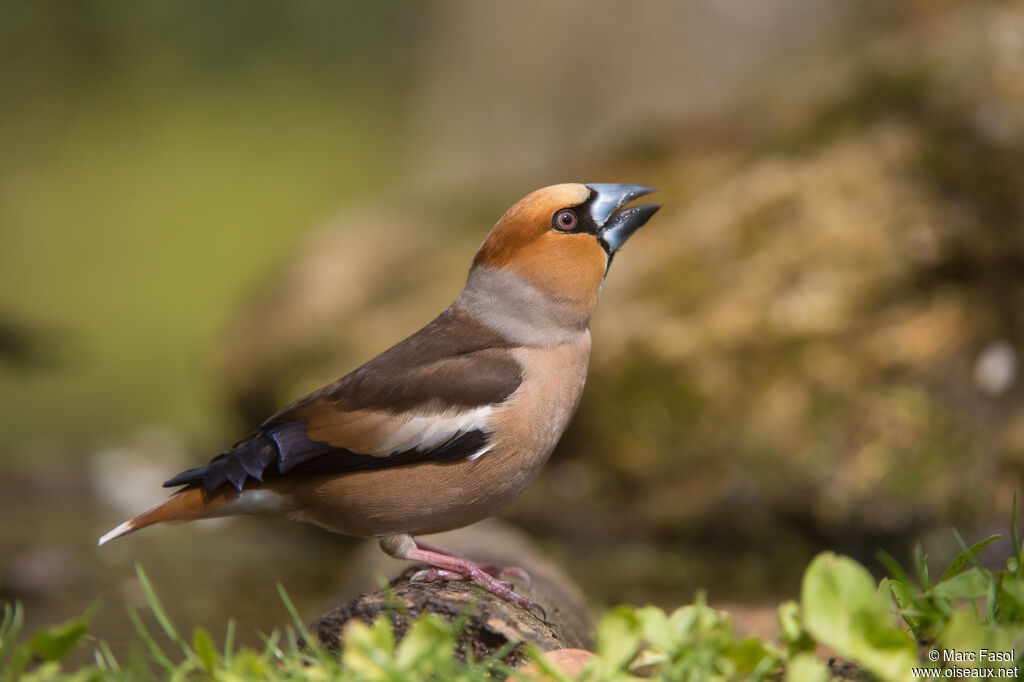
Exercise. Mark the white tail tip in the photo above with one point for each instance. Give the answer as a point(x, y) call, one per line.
point(126, 527)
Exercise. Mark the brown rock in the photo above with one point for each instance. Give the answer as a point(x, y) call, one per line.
point(571, 661)
point(492, 622)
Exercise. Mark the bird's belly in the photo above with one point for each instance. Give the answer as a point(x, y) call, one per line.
point(431, 497)
point(421, 499)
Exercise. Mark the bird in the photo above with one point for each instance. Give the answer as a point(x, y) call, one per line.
point(450, 425)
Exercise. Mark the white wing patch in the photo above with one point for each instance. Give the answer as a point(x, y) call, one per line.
point(428, 432)
point(379, 434)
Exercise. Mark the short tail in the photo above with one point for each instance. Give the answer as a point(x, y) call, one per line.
point(185, 505)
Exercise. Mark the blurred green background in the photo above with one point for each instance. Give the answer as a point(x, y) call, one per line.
point(157, 161)
point(207, 209)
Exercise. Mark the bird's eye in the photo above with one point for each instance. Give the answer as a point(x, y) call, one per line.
point(565, 220)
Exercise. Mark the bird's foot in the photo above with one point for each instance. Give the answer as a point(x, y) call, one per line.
point(429, 575)
point(451, 567)
point(514, 572)
point(492, 567)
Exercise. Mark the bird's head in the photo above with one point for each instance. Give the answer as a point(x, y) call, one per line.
point(546, 258)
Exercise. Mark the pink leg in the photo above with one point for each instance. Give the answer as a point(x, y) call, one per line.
point(499, 571)
point(458, 568)
point(495, 569)
point(438, 550)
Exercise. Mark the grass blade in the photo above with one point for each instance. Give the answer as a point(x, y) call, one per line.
point(969, 554)
point(893, 568)
point(992, 602)
point(161, 615)
point(229, 643)
point(154, 649)
point(271, 650)
point(108, 658)
point(921, 564)
point(294, 613)
point(1015, 538)
point(10, 628)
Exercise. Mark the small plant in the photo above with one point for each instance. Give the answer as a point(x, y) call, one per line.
point(369, 652)
point(694, 642)
point(969, 622)
point(44, 651)
point(969, 609)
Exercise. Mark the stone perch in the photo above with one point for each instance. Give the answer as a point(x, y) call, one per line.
point(493, 622)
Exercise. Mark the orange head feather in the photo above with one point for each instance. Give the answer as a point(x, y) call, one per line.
point(556, 238)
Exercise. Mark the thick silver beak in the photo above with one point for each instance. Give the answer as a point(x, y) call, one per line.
point(615, 226)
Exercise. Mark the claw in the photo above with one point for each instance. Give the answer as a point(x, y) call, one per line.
point(429, 575)
point(447, 566)
point(501, 571)
point(536, 609)
point(516, 573)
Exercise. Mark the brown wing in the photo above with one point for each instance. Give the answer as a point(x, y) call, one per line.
point(427, 398)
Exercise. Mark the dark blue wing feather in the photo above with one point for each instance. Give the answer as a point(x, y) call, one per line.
point(285, 448)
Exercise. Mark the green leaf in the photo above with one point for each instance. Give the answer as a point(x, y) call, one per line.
point(428, 636)
point(383, 635)
point(921, 564)
point(789, 621)
point(657, 631)
point(618, 638)
point(905, 599)
point(54, 643)
point(752, 655)
point(294, 613)
point(893, 568)
point(1018, 553)
point(10, 628)
point(965, 556)
point(363, 653)
point(247, 664)
point(154, 649)
point(1011, 597)
point(972, 584)
point(963, 632)
point(793, 634)
point(843, 609)
point(807, 668)
point(229, 642)
point(991, 595)
point(106, 660)
point(903, 594)
point(204, 648)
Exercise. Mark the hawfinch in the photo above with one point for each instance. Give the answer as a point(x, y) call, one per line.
point(450, 425)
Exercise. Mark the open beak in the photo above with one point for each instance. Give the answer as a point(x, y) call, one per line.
point(615, 226)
